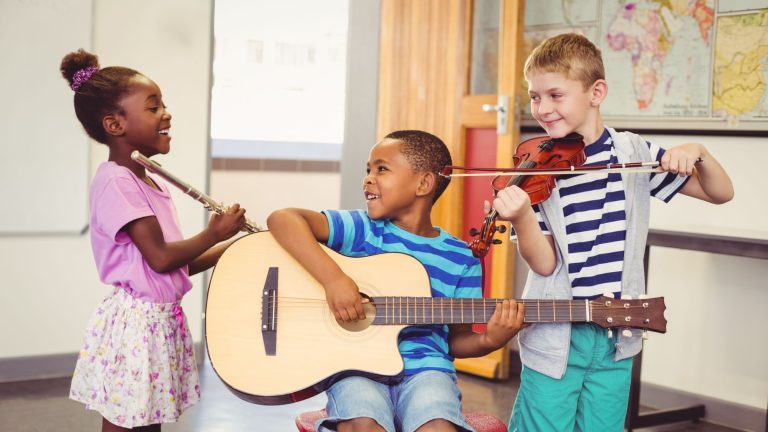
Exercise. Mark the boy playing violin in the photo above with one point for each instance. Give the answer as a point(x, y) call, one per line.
point(588, 239)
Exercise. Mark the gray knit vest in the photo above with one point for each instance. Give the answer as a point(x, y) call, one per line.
point(544, 347)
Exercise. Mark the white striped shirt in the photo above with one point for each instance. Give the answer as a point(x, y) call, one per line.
point(595, 219)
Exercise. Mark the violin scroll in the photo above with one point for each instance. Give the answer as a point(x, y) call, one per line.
point(484, 237)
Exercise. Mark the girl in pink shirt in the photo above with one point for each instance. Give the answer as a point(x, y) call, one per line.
point(137, 365)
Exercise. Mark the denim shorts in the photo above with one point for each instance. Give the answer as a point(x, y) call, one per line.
point(404, 406)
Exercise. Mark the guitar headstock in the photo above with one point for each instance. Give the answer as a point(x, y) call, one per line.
point(644, 314)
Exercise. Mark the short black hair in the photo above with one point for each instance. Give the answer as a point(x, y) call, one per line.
point(426, 153)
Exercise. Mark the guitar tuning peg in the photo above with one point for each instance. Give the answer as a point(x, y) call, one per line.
point(496, 241)
point(645, 334)
point(501, 228)
point(626, 297)
point(626, 333)
point(642, 296)
point(473, 232)
point(609, 294)
point(610, 334)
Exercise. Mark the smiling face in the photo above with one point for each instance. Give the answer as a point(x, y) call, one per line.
point(391, 185)
point(561, 105)
point(146, 120)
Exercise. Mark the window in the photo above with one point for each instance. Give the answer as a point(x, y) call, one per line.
point(279, 75)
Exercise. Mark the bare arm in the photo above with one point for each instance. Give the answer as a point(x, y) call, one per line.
point(298, 232)
point(709, 180)
point(505, 322)
point(209, 258)
point(165, 256)
point(536, 248)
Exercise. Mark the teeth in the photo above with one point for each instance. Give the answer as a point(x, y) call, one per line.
point(371, 196)
point(164, 131)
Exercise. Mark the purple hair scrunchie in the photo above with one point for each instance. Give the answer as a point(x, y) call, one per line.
point(82, 75)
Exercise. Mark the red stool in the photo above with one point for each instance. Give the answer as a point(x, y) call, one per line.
point(482, 422)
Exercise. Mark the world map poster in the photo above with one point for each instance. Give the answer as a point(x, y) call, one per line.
point(670, 64)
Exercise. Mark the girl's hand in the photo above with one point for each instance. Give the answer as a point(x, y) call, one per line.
point(505, 322)
point(511, 203)
point(344, 300)
point(681, 159)
point(227, 225)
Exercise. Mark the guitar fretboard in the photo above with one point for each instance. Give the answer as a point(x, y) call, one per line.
point(441, 310)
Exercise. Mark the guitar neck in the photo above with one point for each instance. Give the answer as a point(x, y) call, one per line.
point(442, 310)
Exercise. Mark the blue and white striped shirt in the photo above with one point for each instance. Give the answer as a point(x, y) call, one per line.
point(452, 270)
point(595, 219)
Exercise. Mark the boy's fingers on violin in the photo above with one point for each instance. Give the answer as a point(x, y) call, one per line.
point(516, 196)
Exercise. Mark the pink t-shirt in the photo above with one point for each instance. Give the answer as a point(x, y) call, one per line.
point(117, 197)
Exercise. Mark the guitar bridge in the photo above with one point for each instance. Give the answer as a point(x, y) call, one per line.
point(269, 313)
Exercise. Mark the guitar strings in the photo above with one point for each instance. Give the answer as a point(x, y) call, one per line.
point(561, 312)
point(542, 305)
point(394, 313)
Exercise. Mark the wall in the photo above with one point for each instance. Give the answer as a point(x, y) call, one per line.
point(50, 285)
point(262, 192)
point(715, 344)
point(361, 116)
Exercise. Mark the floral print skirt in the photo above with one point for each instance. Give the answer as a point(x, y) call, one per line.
point(137, 365)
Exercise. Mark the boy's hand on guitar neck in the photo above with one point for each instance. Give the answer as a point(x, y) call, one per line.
point(343, 297)
point(504, 324)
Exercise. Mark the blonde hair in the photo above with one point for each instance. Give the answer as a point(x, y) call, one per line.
point(570, 54)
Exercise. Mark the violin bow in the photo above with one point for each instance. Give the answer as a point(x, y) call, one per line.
point(630, 167)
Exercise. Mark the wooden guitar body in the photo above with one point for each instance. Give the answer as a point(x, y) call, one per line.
point(311, 346)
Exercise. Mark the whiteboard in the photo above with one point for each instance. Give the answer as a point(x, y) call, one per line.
point(44, 166)
point(744, 216)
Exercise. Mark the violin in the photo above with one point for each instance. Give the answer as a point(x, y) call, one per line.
point(538, 162)
point(539, 154)
point(543, 154)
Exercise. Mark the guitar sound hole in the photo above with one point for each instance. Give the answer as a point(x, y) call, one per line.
point(357, 326)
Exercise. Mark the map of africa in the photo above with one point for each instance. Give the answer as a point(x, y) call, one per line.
point(671, 60)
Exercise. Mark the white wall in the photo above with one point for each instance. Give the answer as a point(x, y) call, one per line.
point(262, 192)
point(715, 343)
point(50, 285)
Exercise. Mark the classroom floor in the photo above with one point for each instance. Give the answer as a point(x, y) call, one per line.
point(36, 406)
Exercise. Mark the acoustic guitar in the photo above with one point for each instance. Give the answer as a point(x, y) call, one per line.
point(273, 340)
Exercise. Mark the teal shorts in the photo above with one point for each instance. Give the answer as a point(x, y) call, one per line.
point(591, 396)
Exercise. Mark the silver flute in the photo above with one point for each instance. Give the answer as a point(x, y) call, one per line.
point(207, 201)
